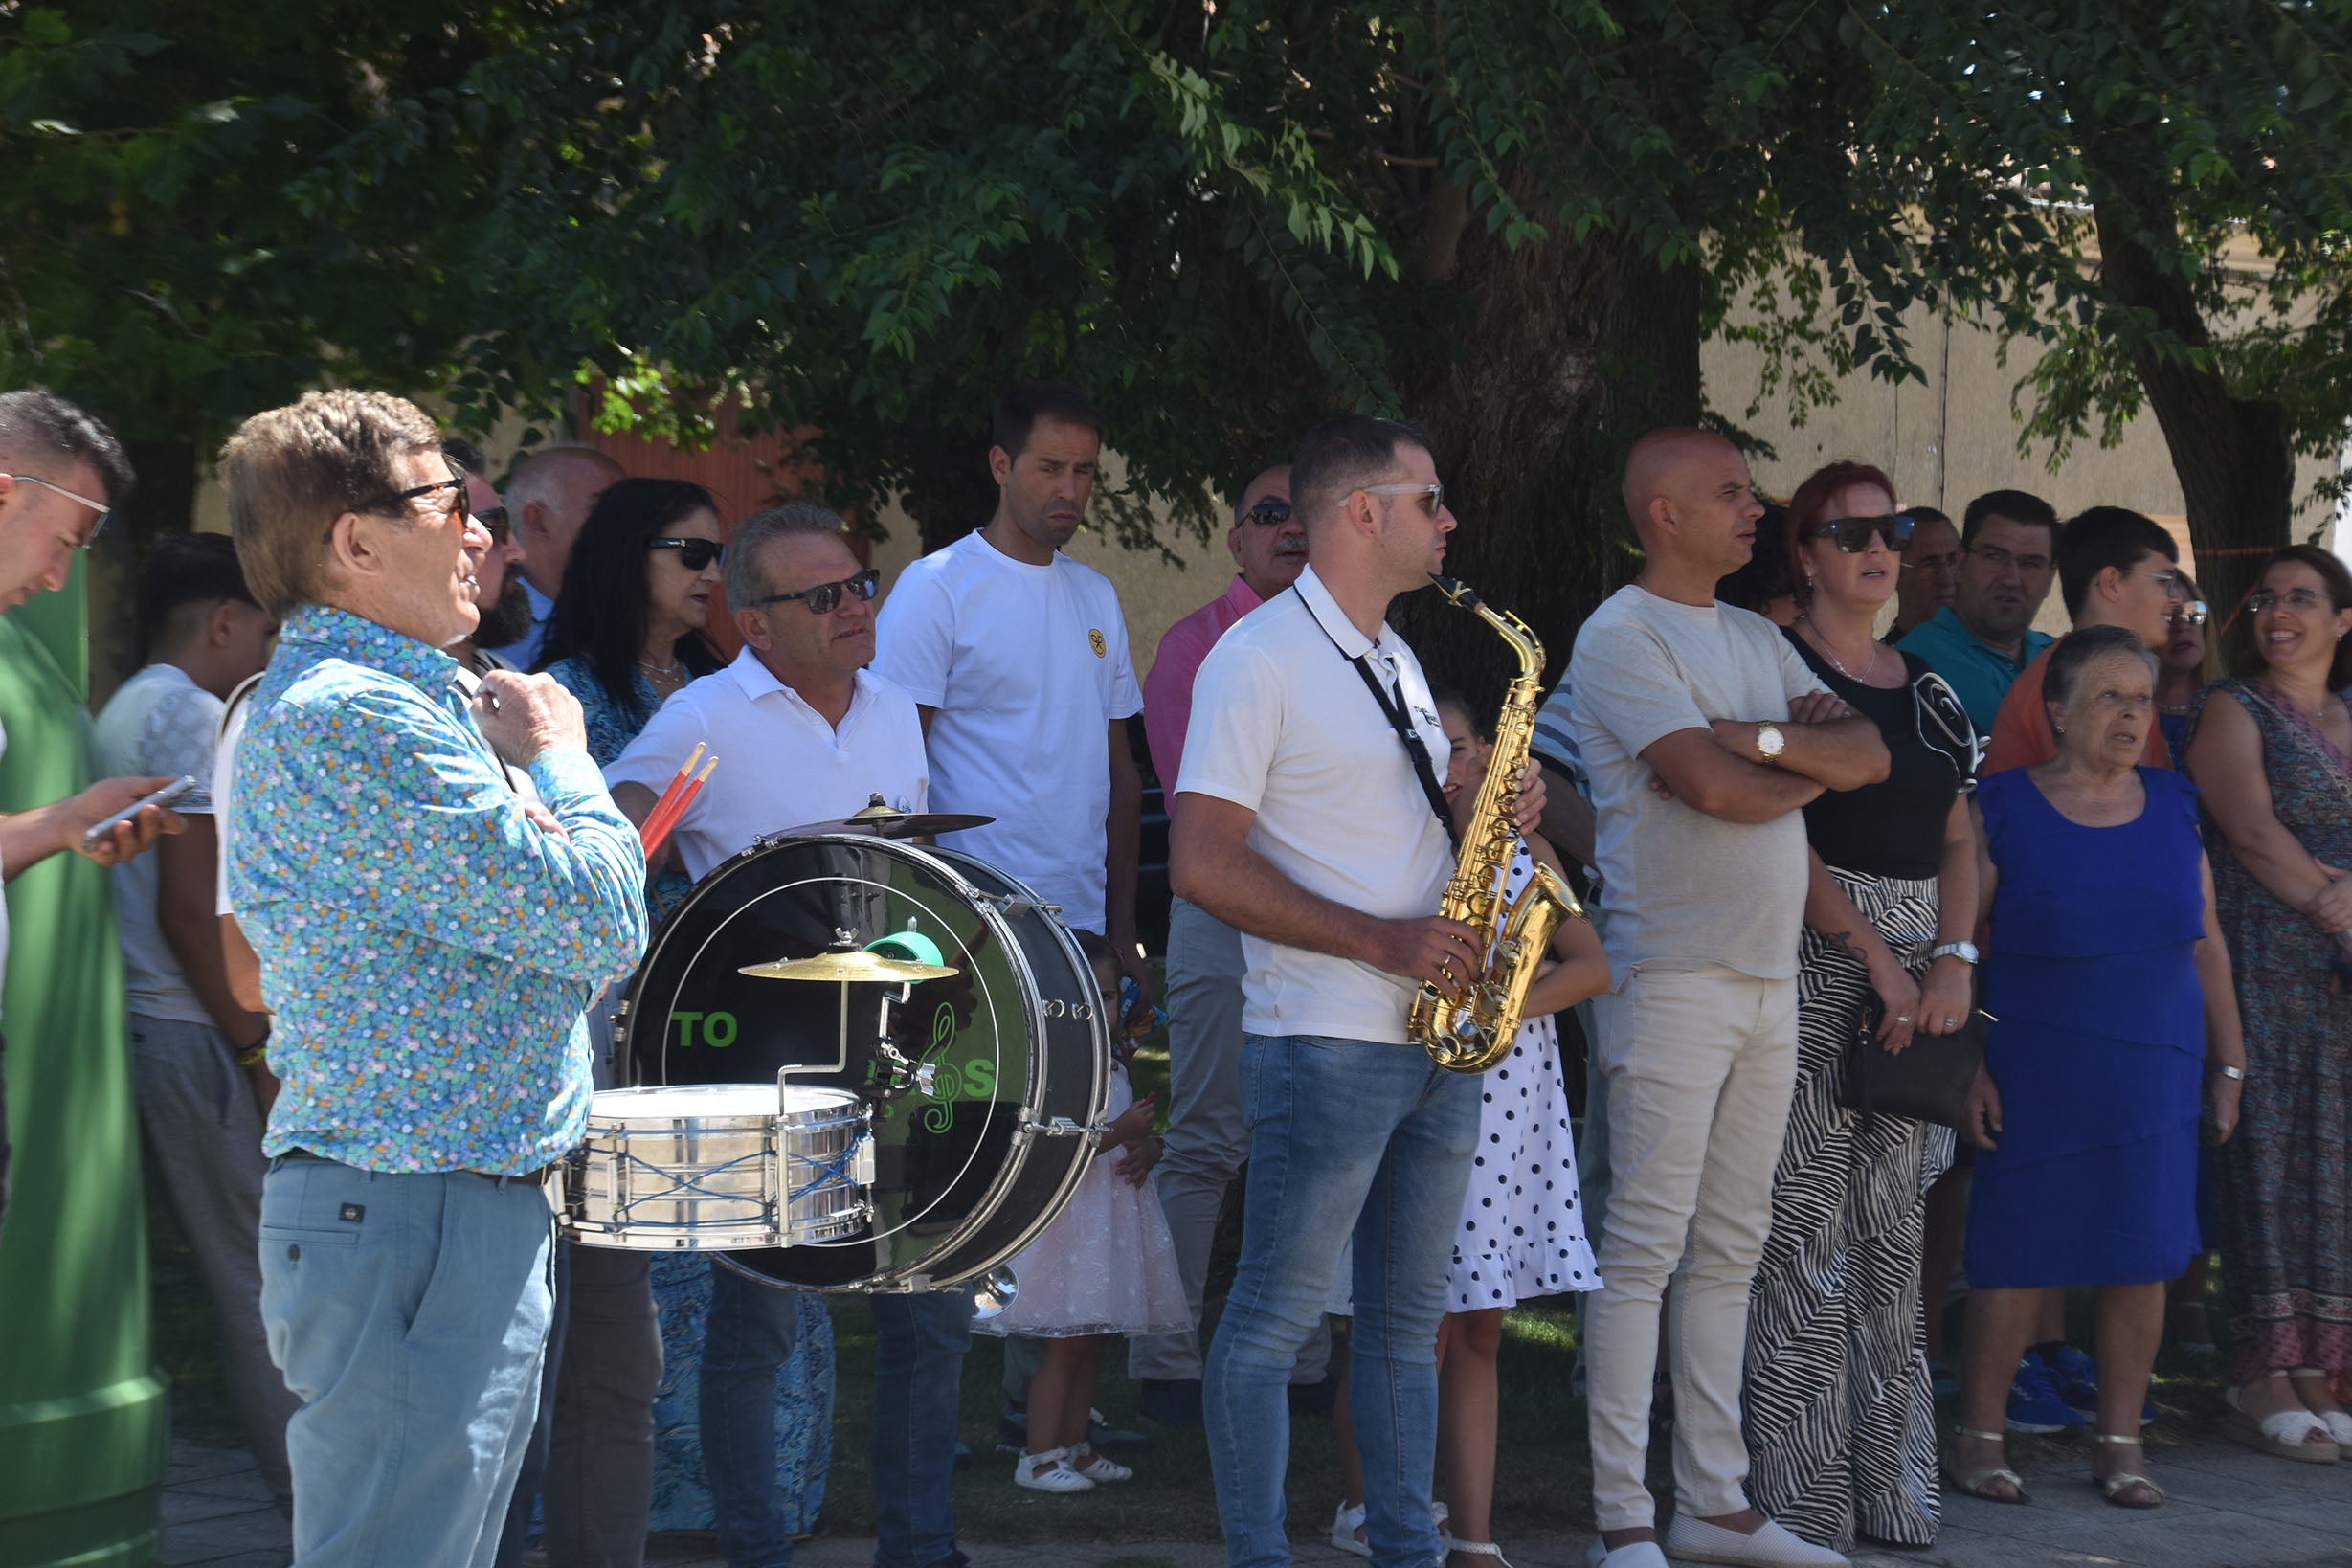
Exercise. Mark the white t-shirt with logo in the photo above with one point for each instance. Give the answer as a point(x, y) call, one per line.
point(159, 724)
point(1027, 666)
point(1283, 724)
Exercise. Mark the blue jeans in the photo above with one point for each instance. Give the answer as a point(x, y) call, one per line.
point(1344, 1137)
point(409, 1315)
point(919, 1345)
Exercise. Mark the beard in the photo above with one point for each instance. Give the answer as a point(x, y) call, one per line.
point(508, 620)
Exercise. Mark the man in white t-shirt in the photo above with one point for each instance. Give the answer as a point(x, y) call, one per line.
point(805, 733)
point(189, 1035)
point(550, 494)
point(61, 472)
point(1704, 735)
point(1305, 818)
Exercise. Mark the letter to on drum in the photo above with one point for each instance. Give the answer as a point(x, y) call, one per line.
point(685, 1023)
point(715, 1024)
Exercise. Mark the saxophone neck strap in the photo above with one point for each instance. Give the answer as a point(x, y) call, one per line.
point(1393, 709)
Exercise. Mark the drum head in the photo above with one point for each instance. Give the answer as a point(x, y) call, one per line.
point(1014, 1037)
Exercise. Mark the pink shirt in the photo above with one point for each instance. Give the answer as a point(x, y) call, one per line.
point(1167, 690)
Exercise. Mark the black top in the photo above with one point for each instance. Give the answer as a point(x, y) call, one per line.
point(1894, 828)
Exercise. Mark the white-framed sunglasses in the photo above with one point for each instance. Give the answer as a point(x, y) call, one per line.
point(1434, 494)
point(103, 511)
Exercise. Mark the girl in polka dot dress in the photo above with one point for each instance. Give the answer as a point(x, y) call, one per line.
point(1522, 1223)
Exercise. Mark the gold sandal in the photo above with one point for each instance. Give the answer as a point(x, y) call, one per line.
point(1972, 1482)
point(2111, 1485)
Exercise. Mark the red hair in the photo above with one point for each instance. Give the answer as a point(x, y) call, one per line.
point(1809, 506)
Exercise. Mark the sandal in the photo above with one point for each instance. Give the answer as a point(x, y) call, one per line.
point(1972, 1482)
point(1344, 1525)
point(2339, 1423)
point(2282, 1434)
point(1476, 1549)
point(2112, 1486)
point(1094, 1467)
point(1031, 1470)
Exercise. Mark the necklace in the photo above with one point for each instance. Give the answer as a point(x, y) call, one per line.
point(1831, 654)
point(674, 670)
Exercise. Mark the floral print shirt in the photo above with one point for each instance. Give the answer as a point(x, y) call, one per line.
point(611, 727)
point(426, 949)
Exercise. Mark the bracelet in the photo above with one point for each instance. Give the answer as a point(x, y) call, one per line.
point(257, 1053)
point(2237, 1074)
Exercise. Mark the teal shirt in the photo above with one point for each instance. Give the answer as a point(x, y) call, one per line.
point(426, 947)
point(1978, 675)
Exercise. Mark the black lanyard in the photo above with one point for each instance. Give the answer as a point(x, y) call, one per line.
point(1394, 711)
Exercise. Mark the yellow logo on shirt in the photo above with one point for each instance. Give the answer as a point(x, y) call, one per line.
point(1094, 638)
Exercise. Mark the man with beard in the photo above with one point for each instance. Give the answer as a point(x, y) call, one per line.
point(1984, 638)
point(500, 592)
point(1207, 1138)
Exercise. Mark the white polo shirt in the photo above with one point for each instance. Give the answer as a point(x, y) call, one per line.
point(1283, 724)
point(782, 764)
point(1027, 666)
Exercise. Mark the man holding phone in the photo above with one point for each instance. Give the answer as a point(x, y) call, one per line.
point(61, 472)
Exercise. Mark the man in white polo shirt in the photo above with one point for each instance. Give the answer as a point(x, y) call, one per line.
point(1308, 816)
point(806, 733)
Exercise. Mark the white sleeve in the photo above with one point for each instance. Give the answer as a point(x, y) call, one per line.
point(1237, 722)
point(914, 636)
point(1626, 686)
point(1126, 691)
point(669, 737)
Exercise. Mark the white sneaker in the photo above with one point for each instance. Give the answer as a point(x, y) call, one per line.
point(1029, 1471)
point(1695, 1540)
point(1094, 1467)
point(1344, 1525)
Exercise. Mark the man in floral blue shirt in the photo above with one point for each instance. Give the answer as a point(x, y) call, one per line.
point(427, 944)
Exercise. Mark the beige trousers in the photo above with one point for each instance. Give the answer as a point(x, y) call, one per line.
point(1700, 1063)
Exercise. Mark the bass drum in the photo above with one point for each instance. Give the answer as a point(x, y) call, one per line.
point(982, 1086)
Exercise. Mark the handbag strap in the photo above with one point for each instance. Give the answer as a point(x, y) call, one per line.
point(1393, 709)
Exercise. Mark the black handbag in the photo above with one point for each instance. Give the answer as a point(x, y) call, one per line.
point(1928, 1081)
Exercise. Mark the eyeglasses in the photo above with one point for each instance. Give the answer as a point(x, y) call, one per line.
point(455, 484)
point(1433, 496)
point(2294, 598)
point(494, 520)
point(694, 554)
point(2171, 582)
point(102, 510)
point(1268, 514)
point(825, 597)
point(2001, 560)
point(1854, 534)
point(2195, 613)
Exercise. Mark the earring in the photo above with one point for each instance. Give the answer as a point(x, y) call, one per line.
point(2058, 728)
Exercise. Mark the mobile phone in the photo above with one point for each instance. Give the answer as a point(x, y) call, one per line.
point(178, 788)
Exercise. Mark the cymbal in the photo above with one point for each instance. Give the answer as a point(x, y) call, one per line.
point(885, 821)
point(854, 968)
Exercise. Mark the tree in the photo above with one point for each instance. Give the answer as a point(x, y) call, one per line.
point(211, 209)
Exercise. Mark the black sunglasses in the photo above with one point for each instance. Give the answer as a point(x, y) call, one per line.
point(399, 499)
point(1269, 513)
point(1854, 534)
point(494, 520)
point(693, 554)
point(825, 597)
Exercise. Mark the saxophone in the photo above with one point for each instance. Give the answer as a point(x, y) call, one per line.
point(1474, 1034)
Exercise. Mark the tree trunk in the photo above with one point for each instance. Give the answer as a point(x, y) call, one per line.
point(2232, 455)
point(163, 503)
point(1571, 352)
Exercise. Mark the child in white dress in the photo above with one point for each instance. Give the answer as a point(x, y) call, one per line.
point(1105, 1266)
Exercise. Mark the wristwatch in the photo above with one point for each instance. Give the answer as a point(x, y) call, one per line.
point(1964, 951)
point(1770, 743)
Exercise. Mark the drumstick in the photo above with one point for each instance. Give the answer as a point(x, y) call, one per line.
point(657, 831)
point(669, 796)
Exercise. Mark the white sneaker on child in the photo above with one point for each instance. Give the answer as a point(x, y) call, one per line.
point(1094, 1467)
point(1029, 1471)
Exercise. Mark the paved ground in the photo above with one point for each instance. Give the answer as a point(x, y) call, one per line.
point(2228, 1507)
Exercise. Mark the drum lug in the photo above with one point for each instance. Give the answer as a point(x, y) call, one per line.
point(1008, 904)
point(1062, 1127)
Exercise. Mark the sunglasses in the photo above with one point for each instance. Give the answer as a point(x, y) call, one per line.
point(495, 521)
point(825, 597)
point(2195, 613)
point(1269, 513)
point(694, 554)
point(1852, 534)
point(398, 499)
point(102, 510)
point(1432, 495)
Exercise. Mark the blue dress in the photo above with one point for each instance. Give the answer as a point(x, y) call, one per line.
point(2098, 1050)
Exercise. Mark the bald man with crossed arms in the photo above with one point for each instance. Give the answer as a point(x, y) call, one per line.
point(1705, 735)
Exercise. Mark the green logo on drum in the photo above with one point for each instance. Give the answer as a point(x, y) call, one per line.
point(718, 1029)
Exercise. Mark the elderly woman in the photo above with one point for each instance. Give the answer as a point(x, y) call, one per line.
point(1841, 1416)
point(2272, 753)
point(2110, 985)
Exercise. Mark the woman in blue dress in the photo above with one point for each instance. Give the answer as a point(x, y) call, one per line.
point(626, 634)
point(2116, 1020)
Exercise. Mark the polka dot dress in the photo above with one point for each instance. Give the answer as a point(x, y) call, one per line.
point(1522, 1220)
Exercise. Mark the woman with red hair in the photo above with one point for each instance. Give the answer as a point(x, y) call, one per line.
point(1841, 1417)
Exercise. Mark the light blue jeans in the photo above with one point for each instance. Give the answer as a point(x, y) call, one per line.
point(409, 1315)
point(1345, 1137)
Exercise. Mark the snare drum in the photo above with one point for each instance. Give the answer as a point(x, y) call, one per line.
point(981, 1089)
point(708, 1167)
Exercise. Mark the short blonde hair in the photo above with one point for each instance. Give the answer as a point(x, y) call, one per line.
point(290, 472)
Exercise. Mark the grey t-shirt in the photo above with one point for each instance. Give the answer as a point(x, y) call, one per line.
point(159, 724)
point(1678, 885)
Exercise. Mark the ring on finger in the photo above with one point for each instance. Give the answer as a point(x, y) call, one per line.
point(1902, 1017)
